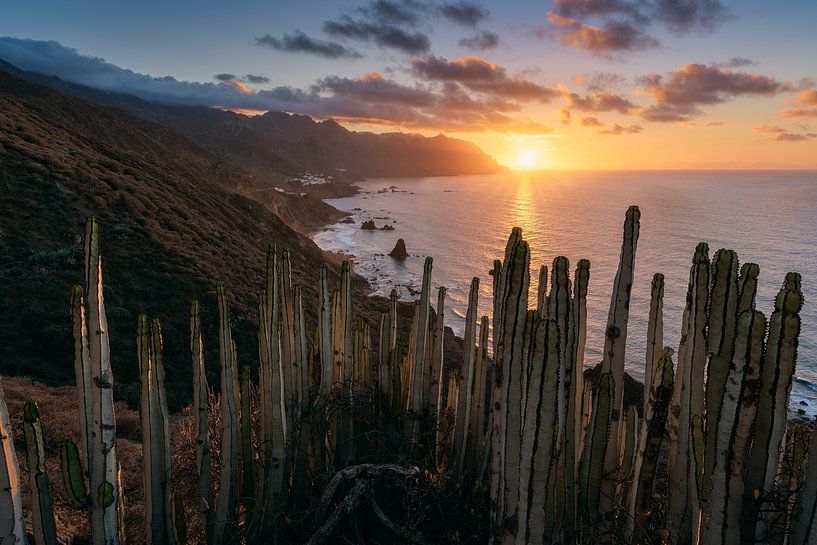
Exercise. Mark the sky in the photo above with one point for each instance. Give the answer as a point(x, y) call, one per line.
point(566, 84)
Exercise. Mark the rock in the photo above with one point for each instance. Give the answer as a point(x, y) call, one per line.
point(368, 225)
point(347, 220)
point(801, 411)
point(387, 227)
point(804, 403)
point(399, 252)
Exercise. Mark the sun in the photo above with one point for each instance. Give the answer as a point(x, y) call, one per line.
point(526, 159)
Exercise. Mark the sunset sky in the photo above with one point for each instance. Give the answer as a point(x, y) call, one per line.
point(575, 84)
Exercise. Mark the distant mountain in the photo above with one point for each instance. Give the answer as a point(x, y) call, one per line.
point(172, 226)
point(278, 145)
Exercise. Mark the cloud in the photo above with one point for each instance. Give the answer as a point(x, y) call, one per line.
point(736, 62)
point(682, 16)
point(482, 40)
point(679, 95)
point(622, 25)
point(565, 116)
point(384, 35)
point(601, 101)
point(370, 98)
point(249, 78)
point(781, 134)
point(590, 121)
point(253, 78)
point(617, 130)
point(613, 36)
point(406, 12)
point(301, 43)
point(482, 76)
point(807, 97)
point(464, 13)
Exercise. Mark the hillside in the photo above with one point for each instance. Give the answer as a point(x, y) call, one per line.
point(277, 146)
point(171, 229)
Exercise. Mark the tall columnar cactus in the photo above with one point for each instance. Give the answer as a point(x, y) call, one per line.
point(734, 428)
point(655, 331)
point(224, 522)
point(248, 484)
point(747, 286)
point(463, 441)
point(641, 499)
point(82, 372)
point(542, 292)
point(204, 500)
point(42, 507)
point(288, 349)
point(437, 355)
point(480, 395)
point(538, 460)
point(343, 364)
point(418, 388)
point(325, 333)
point(775, 384)
point(596, 443)
point(102, 469)
point(723, 318)
point(159, 525)
point(12, 523)
point(274, 438)
point(511, 370)
point(687, 403)
point(614, 345)
point(804, 530)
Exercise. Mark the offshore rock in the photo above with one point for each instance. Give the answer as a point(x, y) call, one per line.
point(399, 251)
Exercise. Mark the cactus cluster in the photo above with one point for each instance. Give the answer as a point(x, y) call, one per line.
point(562, 457)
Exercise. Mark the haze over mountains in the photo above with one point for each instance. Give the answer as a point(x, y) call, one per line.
point(278, 145)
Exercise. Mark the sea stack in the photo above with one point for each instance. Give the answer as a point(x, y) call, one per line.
point(399, 251)
point(368, 225)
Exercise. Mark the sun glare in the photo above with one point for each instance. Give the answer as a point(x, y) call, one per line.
point(526, 159)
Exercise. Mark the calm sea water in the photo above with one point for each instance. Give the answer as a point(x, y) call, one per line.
point(769, 218)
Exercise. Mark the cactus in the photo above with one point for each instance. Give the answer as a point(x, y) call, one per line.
point(804, 531)
point(542, 292)
point(12, 523)
point(204, 502)
point(596, 444)
point(651, 436)
point(687, 402)
point(540, 435)
point(437, 355)
point(734, 428)
point(723, 317)
point(614, 345)
point(510, 372)
point(325, 337)
point(418, 386)
point(274, 438)
point(101, 443)
point(463, 440)
point(775, 385)
point(245, 437)
point(73, 475)
point(477, 413)
point(224, 521)
point(159, 526)
point(747, 287)
point(291, 379)
point(655, 331)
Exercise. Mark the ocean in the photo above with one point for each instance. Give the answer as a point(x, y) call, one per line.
point(767, 217)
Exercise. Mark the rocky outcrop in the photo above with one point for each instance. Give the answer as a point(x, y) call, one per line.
point(399, 251)
point(387, 227)
point(368, 225)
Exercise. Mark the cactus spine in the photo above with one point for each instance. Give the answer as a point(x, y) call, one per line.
point(204, 501)
point(225, 516)
point(159, 526)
